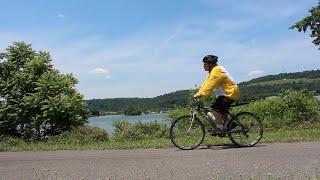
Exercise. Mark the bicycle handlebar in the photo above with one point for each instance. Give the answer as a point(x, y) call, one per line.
point(199, 105)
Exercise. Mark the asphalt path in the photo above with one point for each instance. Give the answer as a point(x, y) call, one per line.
point(277, 160)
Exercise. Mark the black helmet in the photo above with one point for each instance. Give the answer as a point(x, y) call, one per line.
point(212, 59)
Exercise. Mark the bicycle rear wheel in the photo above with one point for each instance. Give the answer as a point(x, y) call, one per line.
point(245, 129)
point(186, 134)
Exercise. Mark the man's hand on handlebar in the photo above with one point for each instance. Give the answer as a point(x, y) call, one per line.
point(197, 97)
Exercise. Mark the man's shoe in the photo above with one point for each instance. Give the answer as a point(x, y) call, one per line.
point(217, 132)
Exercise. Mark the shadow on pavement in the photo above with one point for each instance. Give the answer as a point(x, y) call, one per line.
point(227, 146)
point(221, 147)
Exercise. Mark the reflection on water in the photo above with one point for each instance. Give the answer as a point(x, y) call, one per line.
point(105, 122)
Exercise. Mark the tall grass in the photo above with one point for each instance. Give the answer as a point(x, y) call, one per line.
point(288, 109)
point(124, 130)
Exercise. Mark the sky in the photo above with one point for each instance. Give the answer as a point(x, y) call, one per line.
point(146, 48)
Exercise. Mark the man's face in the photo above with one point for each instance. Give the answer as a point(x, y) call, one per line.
point(206, 66)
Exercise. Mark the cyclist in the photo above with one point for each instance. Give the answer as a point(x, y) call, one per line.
point(225, 88)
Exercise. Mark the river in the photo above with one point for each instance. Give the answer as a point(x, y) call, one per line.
point(105, 122)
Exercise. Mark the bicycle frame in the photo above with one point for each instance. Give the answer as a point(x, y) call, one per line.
point(204, 110)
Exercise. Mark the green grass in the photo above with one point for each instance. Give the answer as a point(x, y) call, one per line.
point(283, 135)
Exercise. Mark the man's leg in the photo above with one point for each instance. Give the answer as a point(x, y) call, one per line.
point(219, 118)
point(221, 105)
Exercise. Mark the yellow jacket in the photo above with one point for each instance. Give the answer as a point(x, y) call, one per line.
point(221, 82)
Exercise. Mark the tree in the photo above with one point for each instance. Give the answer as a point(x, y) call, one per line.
point(312, 22)
point(37, 101)
point(132, 111)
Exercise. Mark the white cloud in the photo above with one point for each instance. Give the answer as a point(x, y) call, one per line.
point(256, 73)
point(99, 71)
point(60, 15)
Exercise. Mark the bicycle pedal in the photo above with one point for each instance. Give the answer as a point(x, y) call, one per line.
point(212, 132)
point(217, 133)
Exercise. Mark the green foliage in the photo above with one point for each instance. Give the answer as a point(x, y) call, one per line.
point(289, 109)
point(296, 75)
point(94, 112)
point(273, 84)
point(10, 141)
point(81, 134)
point(38, 101)
point(124, 130)
point(131, 111)
point(160, 103)
point(178, 112)
point(312, 22)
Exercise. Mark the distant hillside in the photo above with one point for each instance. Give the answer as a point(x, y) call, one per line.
point(272, 84)
point(295, 75)
point(159, 103)
point(254, 89)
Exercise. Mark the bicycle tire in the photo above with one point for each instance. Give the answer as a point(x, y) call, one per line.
point(178, 134)
point(243, 134)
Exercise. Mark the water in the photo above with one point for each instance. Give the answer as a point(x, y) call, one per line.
point(105, 122)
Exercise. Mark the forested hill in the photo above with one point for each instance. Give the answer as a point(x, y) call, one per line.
point(296, 75)
point(272, 84)
point(254, 89)
point(159, 103)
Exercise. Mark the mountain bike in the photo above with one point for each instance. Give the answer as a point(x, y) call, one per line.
point(244, 129)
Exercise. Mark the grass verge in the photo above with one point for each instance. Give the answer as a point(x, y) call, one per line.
point(281, 135)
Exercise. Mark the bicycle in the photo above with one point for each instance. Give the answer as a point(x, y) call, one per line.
point(244, 129)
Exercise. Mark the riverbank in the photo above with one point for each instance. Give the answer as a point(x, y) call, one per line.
point(105, 122)
point(282, 135)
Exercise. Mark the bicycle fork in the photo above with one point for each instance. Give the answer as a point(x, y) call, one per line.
point(192, 120)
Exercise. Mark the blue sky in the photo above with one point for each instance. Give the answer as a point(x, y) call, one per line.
point(148, 48)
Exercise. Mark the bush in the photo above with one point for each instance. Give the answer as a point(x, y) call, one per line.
point(37, 101)
point(178, 112)
point(132, 111)
point(124, 130)
point(289, 109)
point(10, 141)
point(82, 134)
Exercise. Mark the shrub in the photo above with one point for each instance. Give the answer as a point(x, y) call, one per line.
point(290, 108)
point(132, 111)
point(124, 130)
point(178, 112)
point(10, 141)
point(82, 134)
point(36, 99)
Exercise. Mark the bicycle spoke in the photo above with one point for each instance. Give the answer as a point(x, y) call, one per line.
point(248, 131)
point(186, 134)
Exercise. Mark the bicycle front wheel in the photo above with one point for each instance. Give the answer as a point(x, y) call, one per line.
point(187, 134)
point(245, 129)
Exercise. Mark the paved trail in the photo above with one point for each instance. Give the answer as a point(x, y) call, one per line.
point(296, 160)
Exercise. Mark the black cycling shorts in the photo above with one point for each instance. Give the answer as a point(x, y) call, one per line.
point(222, 104)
